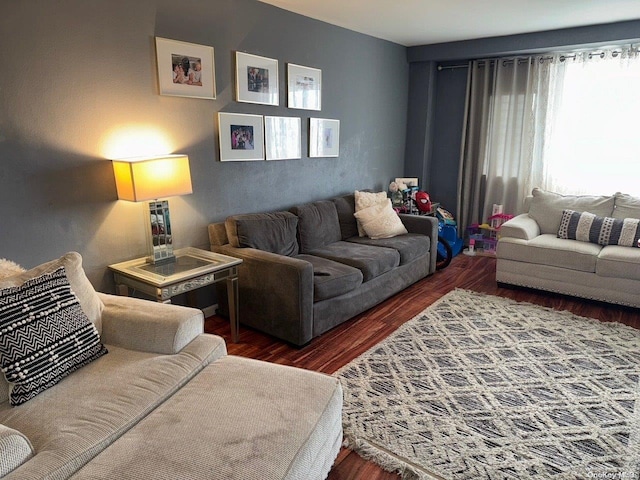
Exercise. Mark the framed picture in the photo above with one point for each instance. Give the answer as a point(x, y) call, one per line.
point(241, 137)
point(282, 137)
point(185, 69)
point(256, 79)
point(324, 137)
point(304, 87)
point(409, 182)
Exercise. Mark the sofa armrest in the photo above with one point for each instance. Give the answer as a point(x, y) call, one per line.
point(427, 226)
point(276, 293)
point(147, 326)
point(15, 449)
point(523, 227)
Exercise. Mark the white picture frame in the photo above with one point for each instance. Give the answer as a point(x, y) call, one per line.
point(241, 137)
point(304, 87)
point(283, 137)
point(173, 55)
point(324, 137)
point(257, 79)
point(408, 181)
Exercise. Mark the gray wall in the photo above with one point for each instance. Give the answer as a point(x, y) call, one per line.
point(81, 73)
point(437, 98)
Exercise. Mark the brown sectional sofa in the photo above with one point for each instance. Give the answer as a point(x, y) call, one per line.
point(306, 271)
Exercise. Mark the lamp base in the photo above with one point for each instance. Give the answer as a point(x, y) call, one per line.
point(160, 239)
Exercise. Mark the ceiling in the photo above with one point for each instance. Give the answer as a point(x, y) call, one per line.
point(422, 22)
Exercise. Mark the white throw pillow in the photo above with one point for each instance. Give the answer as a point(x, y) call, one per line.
point(381, 221)
point(366, 200)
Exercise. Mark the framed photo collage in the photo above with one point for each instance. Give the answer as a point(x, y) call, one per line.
point(188, 70)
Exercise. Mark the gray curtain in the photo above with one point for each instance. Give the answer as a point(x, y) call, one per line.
point(502, 136)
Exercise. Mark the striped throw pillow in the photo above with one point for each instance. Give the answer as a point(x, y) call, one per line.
point(44, 335)
point(587, 227)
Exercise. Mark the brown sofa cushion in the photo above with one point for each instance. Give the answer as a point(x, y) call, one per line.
point(270, 232)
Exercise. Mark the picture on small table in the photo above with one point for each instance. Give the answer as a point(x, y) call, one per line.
point(241, 137)
point(258, 80)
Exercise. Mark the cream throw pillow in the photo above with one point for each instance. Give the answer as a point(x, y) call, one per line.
point(381, 221)
point(366, 200)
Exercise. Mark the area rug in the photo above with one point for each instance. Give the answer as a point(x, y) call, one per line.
point(482, 387)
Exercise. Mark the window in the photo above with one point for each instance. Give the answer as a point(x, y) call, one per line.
point(594, 143)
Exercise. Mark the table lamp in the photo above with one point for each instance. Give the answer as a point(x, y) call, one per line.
point(152, 178)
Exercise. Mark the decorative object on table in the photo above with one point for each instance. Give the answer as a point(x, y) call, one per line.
point(304, 87)
point(283, 137)
point(478, 386)
point(185, 69)
point(257, 79)
point(152, 178)
point(445, 216)
point(324, 137)
point(397, 198)
point(241, 137)
point(423, 202)
point(408, 181)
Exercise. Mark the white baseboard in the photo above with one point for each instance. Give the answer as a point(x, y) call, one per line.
point(210, 311)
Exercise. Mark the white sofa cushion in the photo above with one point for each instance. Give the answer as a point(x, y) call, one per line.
point(73, 421)
point(546, 207)
point(380, 221)
point(626, 206)
point(15, 449)
point(365, 200)
point(548, 249)
point(270, 422)
point(619, 262)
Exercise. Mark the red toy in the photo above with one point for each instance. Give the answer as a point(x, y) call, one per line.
point(423, 202)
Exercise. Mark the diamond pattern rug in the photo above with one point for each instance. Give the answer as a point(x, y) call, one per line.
point(482, 387)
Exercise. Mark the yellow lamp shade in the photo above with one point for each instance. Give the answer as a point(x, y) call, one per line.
point(149, 178)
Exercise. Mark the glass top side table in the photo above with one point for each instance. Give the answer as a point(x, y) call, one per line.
point(193, 268)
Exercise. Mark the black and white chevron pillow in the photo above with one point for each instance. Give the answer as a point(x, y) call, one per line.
point(44, 335)
point(587, 227)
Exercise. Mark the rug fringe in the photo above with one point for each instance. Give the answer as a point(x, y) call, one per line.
point(385, 460)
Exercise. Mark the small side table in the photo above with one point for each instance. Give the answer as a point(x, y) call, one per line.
point(193, 268)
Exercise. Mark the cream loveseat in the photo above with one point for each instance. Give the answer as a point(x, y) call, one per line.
point(531, 253)
point(165, 402)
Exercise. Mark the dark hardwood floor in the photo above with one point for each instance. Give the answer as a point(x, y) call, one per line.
point(339, 346)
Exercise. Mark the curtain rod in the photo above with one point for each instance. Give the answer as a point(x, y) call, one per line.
point(527, 58)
